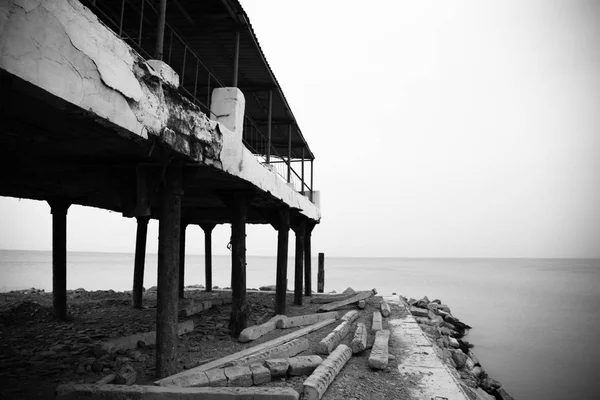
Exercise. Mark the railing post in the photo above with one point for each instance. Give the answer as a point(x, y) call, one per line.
point(160, 32)
point(289, 177)
point(236, 59)
point(321, 274)
point(269, 118)
point(311, 179)
point(141, 24)
point(302, 186)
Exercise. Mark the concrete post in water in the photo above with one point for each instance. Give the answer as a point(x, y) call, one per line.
point(182, 260)
point(283, 233)
point(321, 274)
point(59, 209)
point(140, 260)
point(208, 228)
point(300, 230)
point(238, 205)
point(169, 230)
point(310, 225)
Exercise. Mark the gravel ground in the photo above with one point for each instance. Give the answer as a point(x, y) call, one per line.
point(37, 353)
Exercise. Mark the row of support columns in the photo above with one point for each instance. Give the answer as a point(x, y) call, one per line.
point(171, 267)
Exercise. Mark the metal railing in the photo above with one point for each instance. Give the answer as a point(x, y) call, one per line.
point(135, 22)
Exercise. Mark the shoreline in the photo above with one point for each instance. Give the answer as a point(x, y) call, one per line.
point(206, 335)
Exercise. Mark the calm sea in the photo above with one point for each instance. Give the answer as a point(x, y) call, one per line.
point(536, 322)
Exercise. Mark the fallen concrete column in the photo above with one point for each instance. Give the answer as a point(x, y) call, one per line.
point(256, 331)
point(378, 358)
point(354, 299)
point(72, 391)
point(285, 350)
point(315, 385)
point(419, 312)
point(359, 342)
point(278, 366)
point(303, 365)
point(377, 324)
point(238, 376)
point(131, 342)
point(350, 316)
point(199, 379)
point(385, 309)
point(302, 320)
point(330, 342)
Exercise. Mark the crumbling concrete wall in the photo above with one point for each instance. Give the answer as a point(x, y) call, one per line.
point(62, 47)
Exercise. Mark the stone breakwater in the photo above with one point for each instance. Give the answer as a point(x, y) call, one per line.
point(447, 334)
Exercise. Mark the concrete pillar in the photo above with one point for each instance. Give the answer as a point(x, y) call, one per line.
point(208, 228)
point(283, 233)
point(169, 230)
point(238, 205)
point(140, 261)
point(307, 259)
point(227, 107)
point(321, 274)
point(59, 209)
point(300, 230)
point(182, 260)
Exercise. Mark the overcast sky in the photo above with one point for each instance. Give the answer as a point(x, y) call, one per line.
point(441, 129)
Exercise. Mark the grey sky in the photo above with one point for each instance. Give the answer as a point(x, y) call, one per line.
point(441, 129)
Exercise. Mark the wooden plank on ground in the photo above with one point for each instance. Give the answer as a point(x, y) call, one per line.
point(252, 350)
point(354, 299)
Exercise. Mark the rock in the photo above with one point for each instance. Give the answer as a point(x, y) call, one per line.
point(412, 302)
point(469, 364)
point(469, 379)
point(453, 342)
point(270, 288)
point(459, 358)
point(362, 304)
point(126, 375)
point(490, 385)
point(419, 312)
point(152, 289)
point(349, 291)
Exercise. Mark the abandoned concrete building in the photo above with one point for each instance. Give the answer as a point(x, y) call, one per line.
point(156, 109)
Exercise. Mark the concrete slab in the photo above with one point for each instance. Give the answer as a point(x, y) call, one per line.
point(72, 391)
point(425, 373)
point(378, 359)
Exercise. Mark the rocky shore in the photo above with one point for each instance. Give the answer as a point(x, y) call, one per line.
point(448, 335)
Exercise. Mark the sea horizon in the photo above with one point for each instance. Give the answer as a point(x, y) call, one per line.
point(535, 321)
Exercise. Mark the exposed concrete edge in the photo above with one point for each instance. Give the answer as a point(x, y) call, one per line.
point(71, 391)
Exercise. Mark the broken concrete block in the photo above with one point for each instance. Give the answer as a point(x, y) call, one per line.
point(303, 365)
point(350, 316)
point(260, 374)
point(302, 320)
point(315, 385)
point(256, 331)
point(378, 358)
point(278, 367)
point(385, 309)
point(216, 378)
point(362, 304)
point(131, 342)
point(194, 307)
point(238, 376)
point(377, 324)
point(359, 342)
